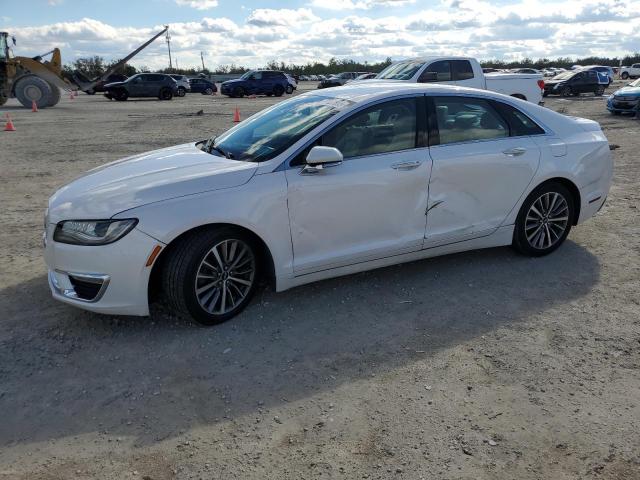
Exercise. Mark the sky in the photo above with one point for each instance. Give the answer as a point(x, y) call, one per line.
point(251, 33)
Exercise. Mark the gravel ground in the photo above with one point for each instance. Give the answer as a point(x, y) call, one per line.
point(482, 365)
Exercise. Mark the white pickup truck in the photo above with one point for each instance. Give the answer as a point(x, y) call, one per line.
point(630, 72)
point(465, 72)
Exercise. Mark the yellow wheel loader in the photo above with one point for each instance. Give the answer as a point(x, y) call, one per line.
point(37, 80)
point(30, 79)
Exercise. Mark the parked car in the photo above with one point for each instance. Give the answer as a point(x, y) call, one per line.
point(339, 79)
point(143, 85)
point(526, 70)
point(465, 72)
point(606, 73)
point(203, 86)
point(625, 100)
point(183, 84)
point(99, 86)
point(319, 186)
point(256, 82)
point(364, 76)
point(574, 83)
point(292, 83)
point(630, 72)
point(490, 70)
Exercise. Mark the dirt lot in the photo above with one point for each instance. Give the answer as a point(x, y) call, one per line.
point(484, 365)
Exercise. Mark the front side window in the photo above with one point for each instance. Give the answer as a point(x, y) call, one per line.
point(463, 119)
point(461, 70)
point(382, 128)
point(272, 131)
point(436, 72)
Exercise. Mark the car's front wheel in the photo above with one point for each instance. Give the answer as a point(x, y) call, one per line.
point(599, 91)
point(212, 275)
point(624, 76)
point(208, 91)
point(289, 89)
point(544, 220)
point(182, 91)
point(278, 90)
point(566, 91)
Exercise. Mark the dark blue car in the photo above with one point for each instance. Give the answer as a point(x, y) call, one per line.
point(256, 82)
point(202, 85)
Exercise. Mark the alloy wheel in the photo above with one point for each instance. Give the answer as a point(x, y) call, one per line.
point(547, 220)
point(225, 276)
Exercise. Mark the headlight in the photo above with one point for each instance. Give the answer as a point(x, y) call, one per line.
point(92, 232)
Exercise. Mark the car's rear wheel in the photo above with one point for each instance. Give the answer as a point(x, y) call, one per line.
point(165, 94)
point(599, 91)
point(278, 90)
point(544, 220)
point(212, 275)
point(566, 91)
point(182, 91)
point(208, 91)
point(289, 89)
point(624, 76)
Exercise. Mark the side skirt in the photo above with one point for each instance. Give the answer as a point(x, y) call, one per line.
point(501, 237)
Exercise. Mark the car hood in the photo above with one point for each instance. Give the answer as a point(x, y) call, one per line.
point(630, 91)
point(231, 82)
point(146, 178)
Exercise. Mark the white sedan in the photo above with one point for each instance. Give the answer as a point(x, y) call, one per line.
point(324, 184)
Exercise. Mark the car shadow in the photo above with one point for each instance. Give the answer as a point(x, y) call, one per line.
point(67, 372)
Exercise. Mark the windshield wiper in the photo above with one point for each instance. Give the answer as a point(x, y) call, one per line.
point(221, 151)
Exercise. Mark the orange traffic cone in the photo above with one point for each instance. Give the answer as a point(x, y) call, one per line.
point(34, 106)
point(9, 126)
point(236, 116)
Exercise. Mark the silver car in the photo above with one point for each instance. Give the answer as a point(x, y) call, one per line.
point(183, 84)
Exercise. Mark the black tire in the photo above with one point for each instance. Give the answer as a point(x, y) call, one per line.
point(3, 100)
point(599, 91)
point(165, 94)
point(238, 92)
point(208, 91)
point(32, 88)
point(531, 235)
point(186, 259)
point(278, 90)
point(566, 91)
point(55, 95)
point(289, 89)
point(109, 96)
point(269, 94)
point(90, 92)
point(545, 94)
point(624, 76)
point(121, 95)
point(614, 112)
point(182, 91)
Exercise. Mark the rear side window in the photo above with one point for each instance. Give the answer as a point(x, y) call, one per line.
point(386, 127)
point(519, 123)
point(466, 119)
point(436, 72)
point(461, 69)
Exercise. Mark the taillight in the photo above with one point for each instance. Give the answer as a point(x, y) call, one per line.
point(541, 84)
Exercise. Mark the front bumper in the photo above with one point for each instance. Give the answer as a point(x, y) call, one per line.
point(614, 105)
point(111, 279)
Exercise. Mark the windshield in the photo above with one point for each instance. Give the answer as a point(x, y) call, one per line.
point(401, 70)
point(635, 84)
point(272, 131)
point(564, 76)
point(246, 75)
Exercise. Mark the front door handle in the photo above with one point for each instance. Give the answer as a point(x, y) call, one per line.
point(406, 165)
point(514, 152)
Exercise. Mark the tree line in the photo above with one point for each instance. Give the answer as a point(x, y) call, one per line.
point(95, 66)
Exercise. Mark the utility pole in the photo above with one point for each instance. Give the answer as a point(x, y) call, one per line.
point(169, 47)
point(202, 58)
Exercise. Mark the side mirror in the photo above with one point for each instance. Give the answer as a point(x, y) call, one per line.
point(320, 158)
point(427, 77)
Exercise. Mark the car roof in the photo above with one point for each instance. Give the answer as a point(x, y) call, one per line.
point(373, 89)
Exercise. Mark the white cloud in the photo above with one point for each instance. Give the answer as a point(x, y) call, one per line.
point(359, 4)
point(522, 28)
point(198, 4)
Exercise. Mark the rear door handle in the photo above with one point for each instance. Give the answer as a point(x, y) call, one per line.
point(406, 165)
point(514, 152)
